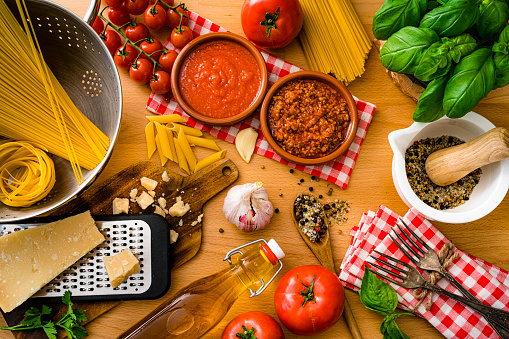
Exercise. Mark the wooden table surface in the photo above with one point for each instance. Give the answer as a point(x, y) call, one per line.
point(370, 185)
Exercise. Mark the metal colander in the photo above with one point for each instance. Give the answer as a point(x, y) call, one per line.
point(81, 62)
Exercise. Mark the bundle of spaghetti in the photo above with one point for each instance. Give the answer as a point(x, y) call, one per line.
point(334, 39)
point(27, 174)
point(33, 104)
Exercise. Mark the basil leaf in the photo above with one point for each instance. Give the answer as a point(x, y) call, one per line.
point(396, 14)
point(403, 51)
point(377, 295)
point(473, 78)
point(494, 15)
point(501, 59)
point(438, 59)
point(453, 18)
point(390, 329)
point(429, 107)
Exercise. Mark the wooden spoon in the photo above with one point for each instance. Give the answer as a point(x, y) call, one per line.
point(450, 164)
point(323, 252)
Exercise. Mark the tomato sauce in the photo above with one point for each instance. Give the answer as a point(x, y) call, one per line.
point(220, 79)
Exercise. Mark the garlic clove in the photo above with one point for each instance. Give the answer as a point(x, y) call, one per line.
point(245, 143)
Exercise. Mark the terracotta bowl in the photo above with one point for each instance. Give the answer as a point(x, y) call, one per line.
point(352, 108)
point(192, 46)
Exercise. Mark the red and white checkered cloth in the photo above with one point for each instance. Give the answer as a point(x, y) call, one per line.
point(484, 280)
point(337, 171)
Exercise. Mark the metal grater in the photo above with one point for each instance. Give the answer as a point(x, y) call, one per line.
point(87, 279)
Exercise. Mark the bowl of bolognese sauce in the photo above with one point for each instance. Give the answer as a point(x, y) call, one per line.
point(309, 118)
point(219, 78)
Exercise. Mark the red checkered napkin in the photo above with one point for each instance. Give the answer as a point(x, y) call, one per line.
point(337, 171)
point(486, 281)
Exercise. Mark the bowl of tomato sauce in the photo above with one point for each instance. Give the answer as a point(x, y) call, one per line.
point(219, 78)
point(309, 118)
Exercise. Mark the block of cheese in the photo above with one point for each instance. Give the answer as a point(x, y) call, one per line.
point(31, 258)
point(120, 266)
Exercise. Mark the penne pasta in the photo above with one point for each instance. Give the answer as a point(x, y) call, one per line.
point(166, 119)
point(150, 137)
point(163, 158)
point(188, 130)
point(186, 149)
point(163, 140)
point(181, 157)
point(209, 160)
point(172, 144)
point(202, 142)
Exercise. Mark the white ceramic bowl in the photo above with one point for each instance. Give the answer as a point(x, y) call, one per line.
point(488, 193)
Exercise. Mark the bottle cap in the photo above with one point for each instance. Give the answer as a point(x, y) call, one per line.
point(274, 247)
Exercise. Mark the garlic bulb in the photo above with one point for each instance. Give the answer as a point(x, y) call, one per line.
point(248, 206)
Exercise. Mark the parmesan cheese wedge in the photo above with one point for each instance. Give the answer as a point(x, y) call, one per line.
point(31, 258)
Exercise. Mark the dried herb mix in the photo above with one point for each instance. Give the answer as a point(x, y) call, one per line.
point(438, 197)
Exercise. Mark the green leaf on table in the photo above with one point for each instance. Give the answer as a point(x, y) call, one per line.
point(453, 18)
point(390, 329)
point(377, 295)
point(396, 14)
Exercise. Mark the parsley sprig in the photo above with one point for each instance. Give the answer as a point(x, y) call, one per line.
point(70, 321)
point(379, 296)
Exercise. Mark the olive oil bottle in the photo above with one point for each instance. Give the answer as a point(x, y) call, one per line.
point(201, 305)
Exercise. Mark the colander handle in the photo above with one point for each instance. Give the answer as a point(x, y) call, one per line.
point(93, 9)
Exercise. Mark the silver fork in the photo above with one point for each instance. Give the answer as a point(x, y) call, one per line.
point(412, 278)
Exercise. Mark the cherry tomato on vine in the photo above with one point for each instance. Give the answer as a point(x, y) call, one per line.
point(136, 7)
point(271, 23)
point(119, 15)
point(98, 25)
point(160, 82)
point(181, 37)
point(168, 2)
point(167, 59)
point(155, 18)
point(137, 31)
point(125, 56)
point(261, 325)
point(309, 299)
point(112, 40)
point(173, 18)
point(114, 3)
point(150, 46)
point(141, 71)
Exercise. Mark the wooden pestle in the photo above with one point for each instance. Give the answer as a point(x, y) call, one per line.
point(450, 164)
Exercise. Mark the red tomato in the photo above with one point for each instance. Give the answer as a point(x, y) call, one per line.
point(136, 32)
point(155, 18)
point(173, 18)
point(136, 7)
point(167, 59)
point(271, 23)
point(98, 25)
point(125, 56)
point(262, 325)
point(142, 71)
point(112, 40)
point(309, 299)
point(119, 16)
point(150, 46)
point(161, 82)
point(168, 2)
point(181, 38)
point(114, 3)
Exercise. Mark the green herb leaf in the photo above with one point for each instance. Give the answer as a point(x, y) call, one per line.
point(50, 330)
point(429, 107)
point(390, 329)
point(377, 295)
point(396, 14)
point(79, 332)
point(453, 18)
point(79, 316)
point(66, 299)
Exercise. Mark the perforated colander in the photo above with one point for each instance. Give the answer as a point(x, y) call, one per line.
point(81, 62)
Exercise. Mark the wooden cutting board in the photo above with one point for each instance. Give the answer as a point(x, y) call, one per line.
point(195, 189)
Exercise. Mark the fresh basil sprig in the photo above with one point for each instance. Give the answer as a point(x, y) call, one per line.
point(379, 296)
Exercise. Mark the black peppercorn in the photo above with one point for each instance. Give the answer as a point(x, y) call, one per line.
point(276, 210)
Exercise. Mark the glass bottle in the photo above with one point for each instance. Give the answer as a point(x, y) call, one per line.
point(201, 305)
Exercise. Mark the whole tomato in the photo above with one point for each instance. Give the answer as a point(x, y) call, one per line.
point(271, 23)
point(309, 299)
point(136, 7)
point(173, 18)
point(259, 324)
point(119, 15)
point(136, 31)
point(125, 56)
point(168, 2)
point(181, 36)
point(112, 40)
point(151, 46)
point(167, 59)
point(114, 3)
point(155, 18)
point(160, 82)
point(141, 71)
point(98, 25)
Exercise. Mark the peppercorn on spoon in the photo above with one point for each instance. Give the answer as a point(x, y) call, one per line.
point(321, 248)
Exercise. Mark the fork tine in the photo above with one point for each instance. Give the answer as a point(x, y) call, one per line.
point(390, 265)
point(391, 258)
point(417, 247)
point(399, 283)
point(405, 252)
point(415, 235)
